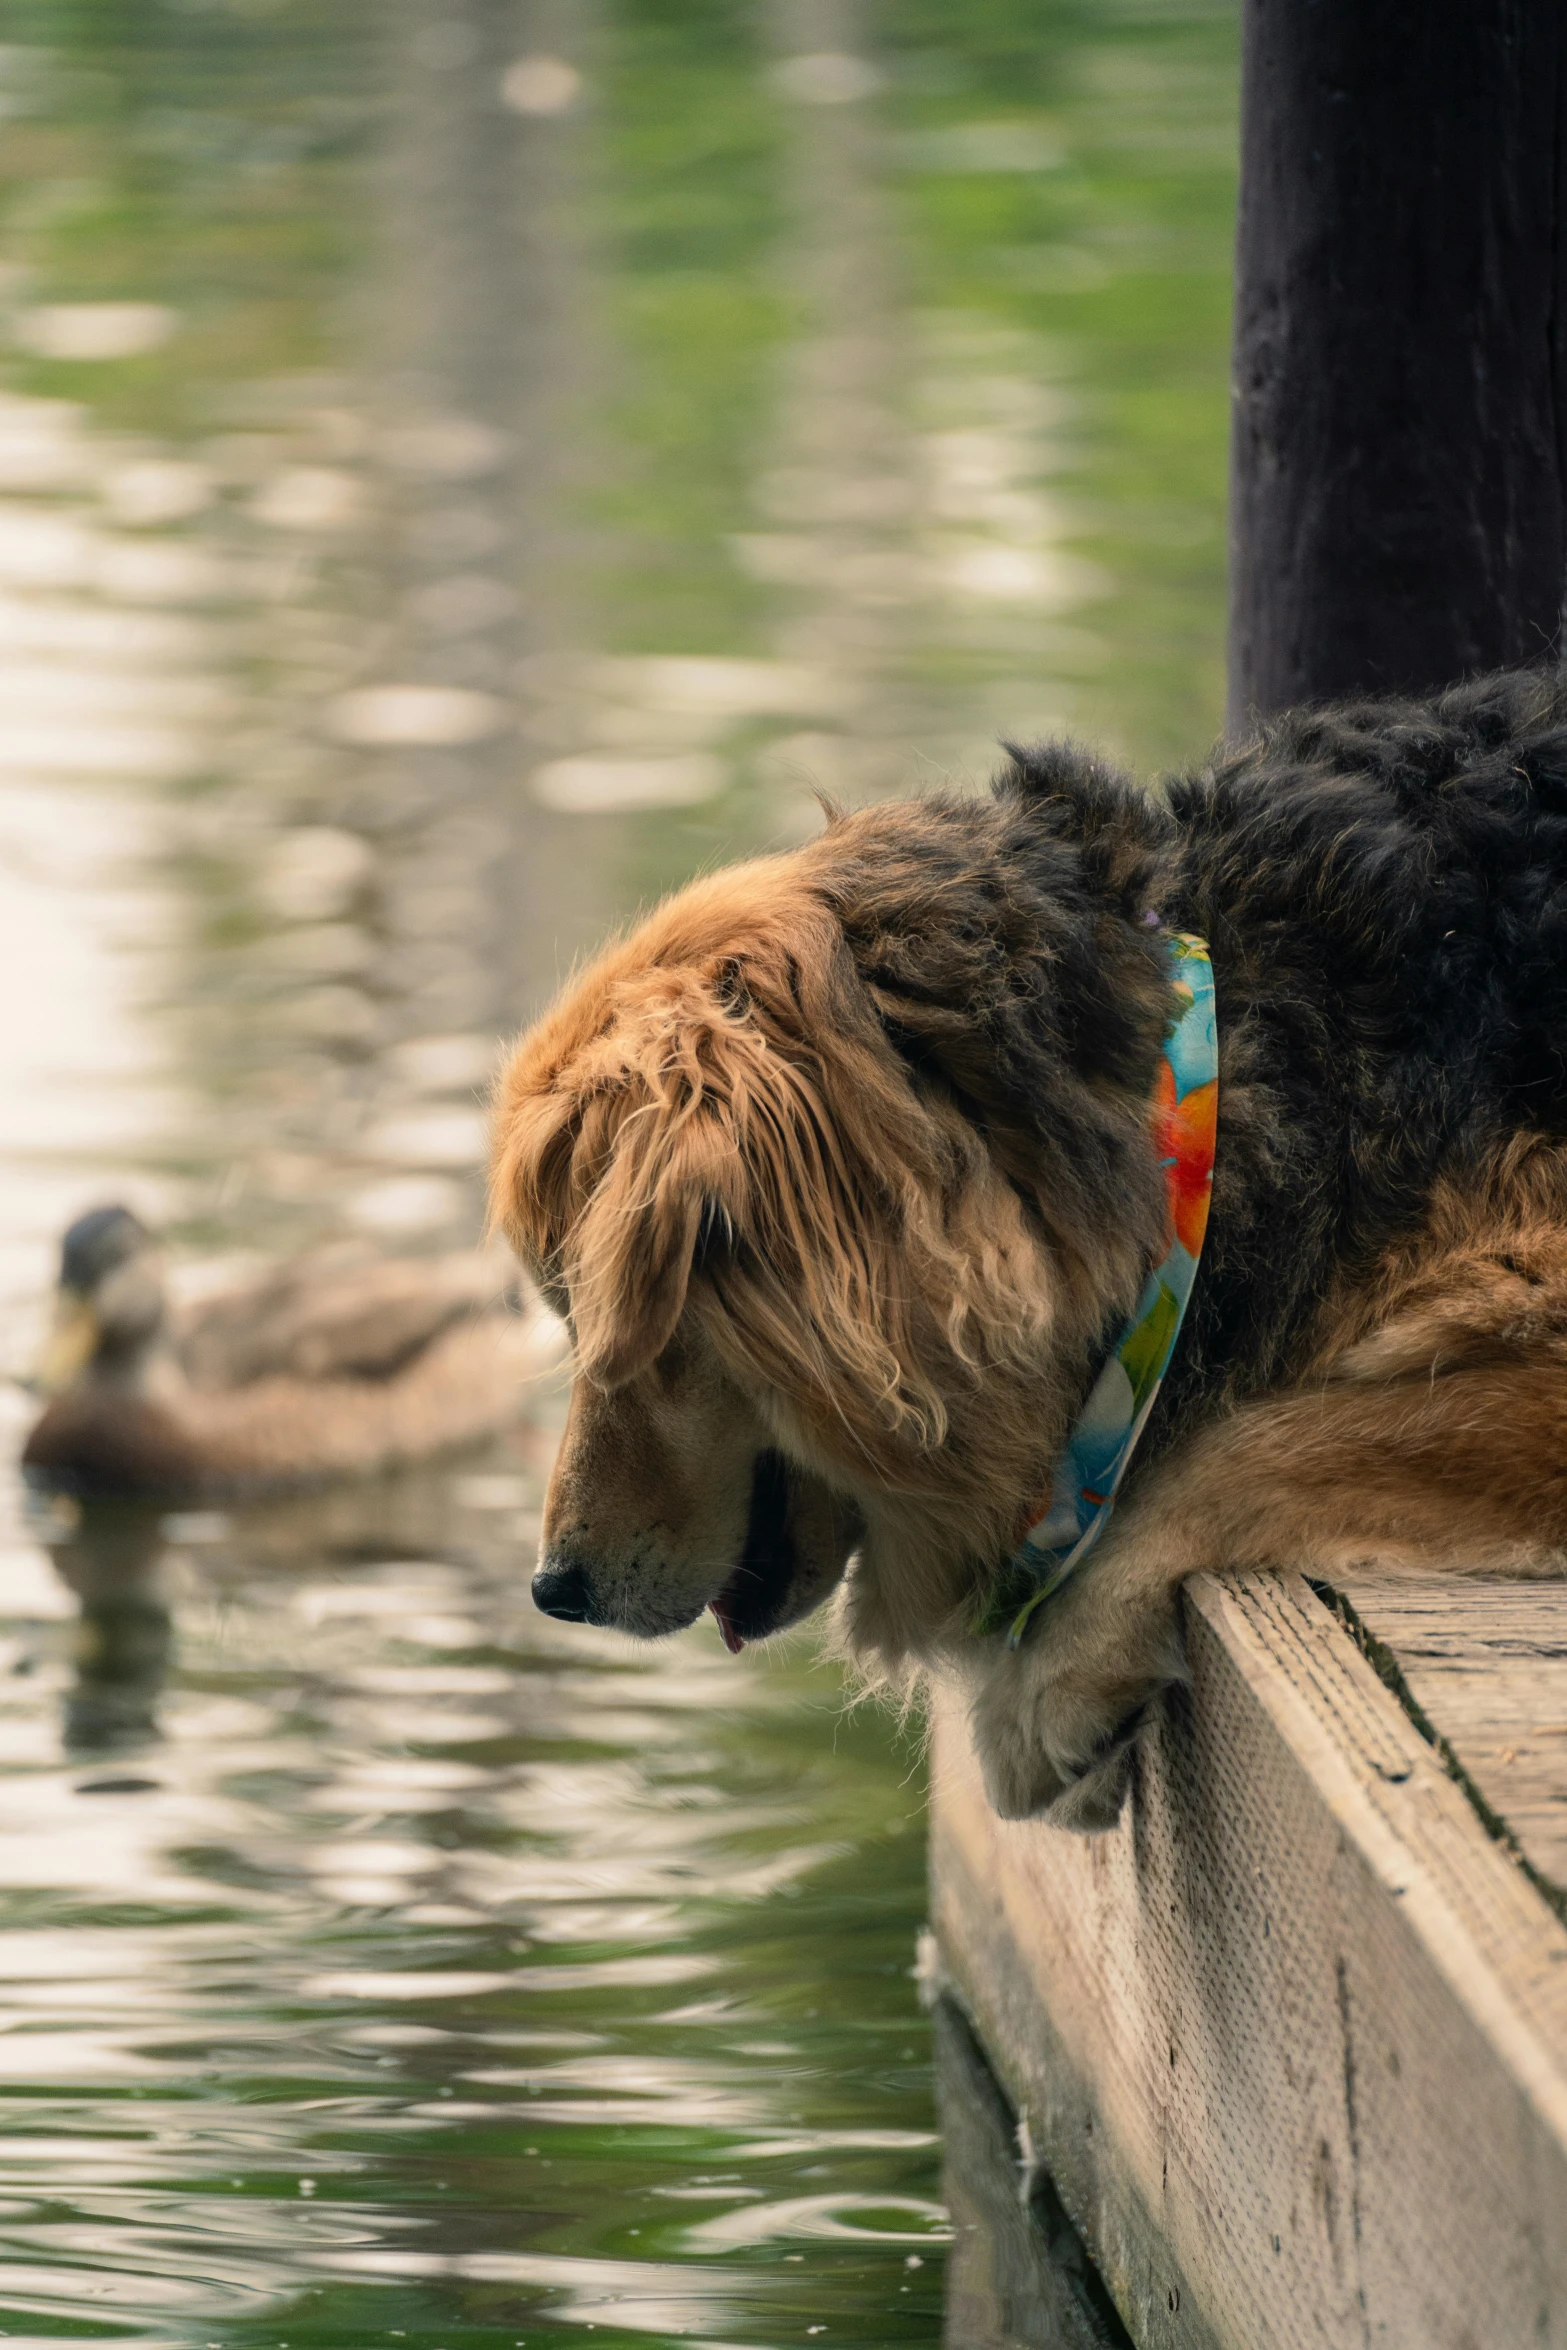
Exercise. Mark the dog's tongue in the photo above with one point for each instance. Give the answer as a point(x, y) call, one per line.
point(732, 1639)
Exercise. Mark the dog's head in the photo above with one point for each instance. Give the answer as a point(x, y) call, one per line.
point(836, 1165)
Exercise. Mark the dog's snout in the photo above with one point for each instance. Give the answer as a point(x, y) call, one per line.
point(561, 1588)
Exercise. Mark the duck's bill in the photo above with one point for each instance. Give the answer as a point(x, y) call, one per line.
point(70, 1345)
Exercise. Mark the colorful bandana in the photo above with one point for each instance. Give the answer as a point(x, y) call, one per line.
point(1061, 1527)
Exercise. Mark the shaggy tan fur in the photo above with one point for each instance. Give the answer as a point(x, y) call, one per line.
point(773, 1172)
point(878, 1273)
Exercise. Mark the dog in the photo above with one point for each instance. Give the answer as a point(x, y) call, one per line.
point(841, 1167)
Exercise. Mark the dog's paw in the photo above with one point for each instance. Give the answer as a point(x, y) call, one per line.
point(1095, 1801)
point(1055, 1721)
point(1031, 1775)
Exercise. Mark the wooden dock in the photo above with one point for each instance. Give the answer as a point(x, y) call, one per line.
point(1291, 2041)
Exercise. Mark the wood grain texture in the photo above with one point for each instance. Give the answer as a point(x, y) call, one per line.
point(1291, 2040)
point(1486, 1663)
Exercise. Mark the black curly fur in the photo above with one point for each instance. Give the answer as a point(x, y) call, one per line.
point(1384, 888)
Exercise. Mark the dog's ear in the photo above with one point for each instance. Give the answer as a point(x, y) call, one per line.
point(610, 1159)
point(631, 1251)
point(535, 1130)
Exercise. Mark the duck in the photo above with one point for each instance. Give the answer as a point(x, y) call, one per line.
point(330, 1365)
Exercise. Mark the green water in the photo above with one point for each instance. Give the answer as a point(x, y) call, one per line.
point(408, 1967)
point(463, 467)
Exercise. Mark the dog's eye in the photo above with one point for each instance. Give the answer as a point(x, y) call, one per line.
point(715, 1239)
point(730, 988)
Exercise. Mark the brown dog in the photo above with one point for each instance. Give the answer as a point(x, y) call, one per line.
point(841, 1165)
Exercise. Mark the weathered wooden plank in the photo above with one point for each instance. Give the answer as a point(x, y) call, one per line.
point(1486, 1663)
point(1292, 2040)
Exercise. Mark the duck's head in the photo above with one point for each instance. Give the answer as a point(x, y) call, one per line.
point(109, 1305)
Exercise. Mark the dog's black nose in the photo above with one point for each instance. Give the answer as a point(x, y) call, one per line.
point(560, 1588)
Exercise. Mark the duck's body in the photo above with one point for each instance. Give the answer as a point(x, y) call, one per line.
point(327, 1367)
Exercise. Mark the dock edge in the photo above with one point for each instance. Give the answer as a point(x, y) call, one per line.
point(1291, 2040)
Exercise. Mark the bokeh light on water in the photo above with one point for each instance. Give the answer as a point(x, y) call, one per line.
point(461, 469)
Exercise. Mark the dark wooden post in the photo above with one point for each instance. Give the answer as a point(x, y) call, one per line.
point(1399, 454)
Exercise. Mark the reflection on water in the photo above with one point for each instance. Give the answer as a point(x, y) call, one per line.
point(111, 1558)
point(397, 1959)
point(463, 465)
point(1017, 2275)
